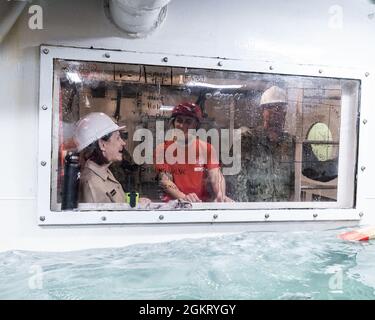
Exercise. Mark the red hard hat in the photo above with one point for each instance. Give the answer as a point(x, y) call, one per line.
point(187, 109)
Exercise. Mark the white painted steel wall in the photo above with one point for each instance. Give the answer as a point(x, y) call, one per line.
point(295, 31)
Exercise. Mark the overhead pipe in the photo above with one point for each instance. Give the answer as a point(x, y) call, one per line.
point(9, 13)
point(138, 18)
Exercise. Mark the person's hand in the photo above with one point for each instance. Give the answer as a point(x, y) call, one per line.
point(219, 197)
point(227, 199)
point(222, 198)
point(144, 202)
point(191, 197)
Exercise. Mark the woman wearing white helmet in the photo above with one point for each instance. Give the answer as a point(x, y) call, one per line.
point(98, 137)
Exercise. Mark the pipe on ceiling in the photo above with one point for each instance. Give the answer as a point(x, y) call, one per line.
point(9, 13)
point(138, 18)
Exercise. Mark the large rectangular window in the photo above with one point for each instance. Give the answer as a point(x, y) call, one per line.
point(277, 140)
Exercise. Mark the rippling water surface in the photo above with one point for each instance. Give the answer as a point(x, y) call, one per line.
point(253, 265)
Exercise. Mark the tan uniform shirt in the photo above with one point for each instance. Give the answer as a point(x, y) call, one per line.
point(98, 185)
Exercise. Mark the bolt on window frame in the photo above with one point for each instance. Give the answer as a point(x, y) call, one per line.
point(239, 211)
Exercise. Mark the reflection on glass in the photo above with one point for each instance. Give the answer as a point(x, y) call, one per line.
point(276, 138)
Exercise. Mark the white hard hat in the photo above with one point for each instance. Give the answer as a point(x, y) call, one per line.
point(92, 127)
point(273, 95)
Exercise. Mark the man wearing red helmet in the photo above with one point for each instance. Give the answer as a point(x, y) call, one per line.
point(190, 178)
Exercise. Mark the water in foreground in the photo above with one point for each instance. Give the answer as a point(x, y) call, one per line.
point(253, 265)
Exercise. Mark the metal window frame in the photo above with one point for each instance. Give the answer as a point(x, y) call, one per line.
point(237, 212)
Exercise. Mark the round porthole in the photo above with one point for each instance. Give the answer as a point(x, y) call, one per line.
point(319, 159)
point(320, 133)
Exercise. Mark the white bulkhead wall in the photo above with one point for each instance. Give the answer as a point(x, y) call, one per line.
point(332, 33)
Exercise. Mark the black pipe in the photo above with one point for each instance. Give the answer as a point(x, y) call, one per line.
point(71, 182)
point(132, 198)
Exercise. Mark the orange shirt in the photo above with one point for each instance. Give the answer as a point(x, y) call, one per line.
point(188, 176)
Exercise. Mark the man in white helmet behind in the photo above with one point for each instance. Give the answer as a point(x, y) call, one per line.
point(267, 155)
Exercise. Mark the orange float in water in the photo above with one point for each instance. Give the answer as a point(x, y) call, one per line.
point(359, 235)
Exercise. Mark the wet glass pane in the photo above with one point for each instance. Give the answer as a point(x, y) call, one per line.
point(261, 137)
